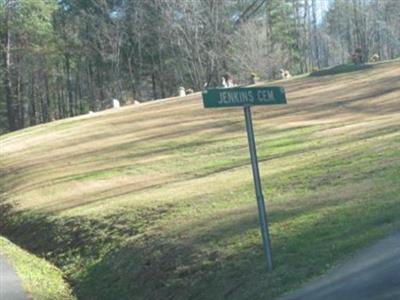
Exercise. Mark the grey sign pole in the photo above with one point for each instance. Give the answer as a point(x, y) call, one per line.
point(257, 183)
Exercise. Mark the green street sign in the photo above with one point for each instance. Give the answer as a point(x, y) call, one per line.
point(243, 96)
point(246, 97)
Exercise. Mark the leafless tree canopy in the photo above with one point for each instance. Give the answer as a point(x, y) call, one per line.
point(65, 58)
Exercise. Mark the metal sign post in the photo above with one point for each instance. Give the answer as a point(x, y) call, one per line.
point(246, 97)
point(257, 183)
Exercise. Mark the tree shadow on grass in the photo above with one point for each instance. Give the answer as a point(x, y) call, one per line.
point(341, 69)
point(75, 243)
point(133, 144)
point(118, 257)
point(198, 267)
point(96, 197)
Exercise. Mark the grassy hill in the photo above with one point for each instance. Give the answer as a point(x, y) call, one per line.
point(156, 201)
point(40, 280)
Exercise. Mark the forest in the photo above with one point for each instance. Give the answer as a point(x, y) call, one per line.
point(63, 58)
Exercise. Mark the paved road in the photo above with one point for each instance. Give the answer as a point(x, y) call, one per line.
point(374, 274)
point(10, 285)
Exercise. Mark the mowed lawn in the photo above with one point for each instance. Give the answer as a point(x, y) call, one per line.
point(156, 201)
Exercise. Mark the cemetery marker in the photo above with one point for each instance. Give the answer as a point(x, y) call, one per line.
point(247, 97)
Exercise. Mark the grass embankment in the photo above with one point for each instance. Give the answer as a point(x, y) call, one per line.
point(157, 201)
point(41, 280)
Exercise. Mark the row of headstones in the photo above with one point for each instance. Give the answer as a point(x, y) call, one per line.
point(115, 103)
point(358, 58)
point(227, 81)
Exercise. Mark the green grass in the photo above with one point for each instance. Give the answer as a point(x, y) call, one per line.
point(41, 280)
point(157, 201)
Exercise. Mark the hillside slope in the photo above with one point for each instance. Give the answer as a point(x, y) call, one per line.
point(40, 280)
point(156, 201)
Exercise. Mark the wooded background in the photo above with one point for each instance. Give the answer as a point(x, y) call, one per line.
point(62, 58)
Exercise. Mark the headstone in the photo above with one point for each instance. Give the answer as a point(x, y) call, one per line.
point(115, 103)
point(224, 83)
point(285, 74)
point(181, 91)
point(227, 81)
point(375, 57)
point(231, 83)
point(253, 78)
point(282, 71)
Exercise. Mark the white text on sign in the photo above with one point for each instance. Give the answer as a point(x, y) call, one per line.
point(245, 97)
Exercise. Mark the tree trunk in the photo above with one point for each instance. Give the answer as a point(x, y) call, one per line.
point(32, 114)
point(92, 88)
point(131, 78)
point(7, 74)
point(19, 97)
point(69, 85)
point(47, 106)
point(153, 84)
point(315, 39)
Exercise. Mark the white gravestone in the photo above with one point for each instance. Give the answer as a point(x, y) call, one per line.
point(115, 103)
point(181, 91)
